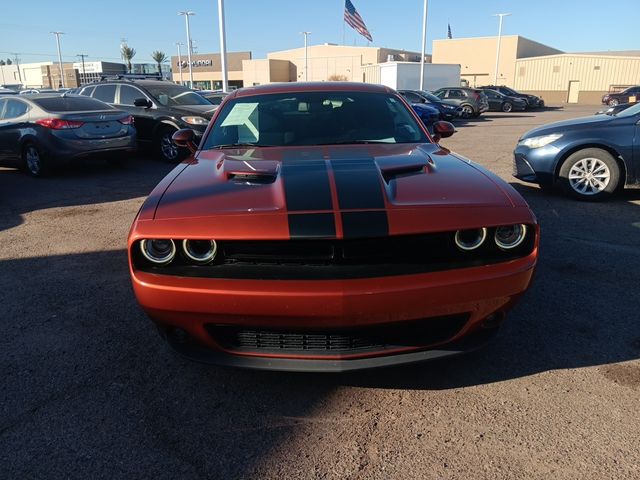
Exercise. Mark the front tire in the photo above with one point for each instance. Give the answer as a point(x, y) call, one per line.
point(507, 107)
point(467, 111)
point(33, 161)
point(169, 151)
point(591, 174)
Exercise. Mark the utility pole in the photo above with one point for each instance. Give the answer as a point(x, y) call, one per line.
point(17, 59)
point(57, 34)
point(84, 75)
point(424, 43)
point(306, 56)
point(501, 15)
point(186, 17)
point(178, 44)
point(223, 46)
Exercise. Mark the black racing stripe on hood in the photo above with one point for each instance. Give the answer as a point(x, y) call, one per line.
point(358, 184)
point(312, 225)
point(306, 185)
point(365, 224)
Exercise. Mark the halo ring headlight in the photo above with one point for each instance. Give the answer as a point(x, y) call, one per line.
point(509, 237)
point(158, 251)
point(468, 240)
point(200, 251)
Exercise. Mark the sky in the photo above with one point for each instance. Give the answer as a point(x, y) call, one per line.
point(260, 26)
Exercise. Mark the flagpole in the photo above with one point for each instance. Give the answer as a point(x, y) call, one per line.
point(424, 44)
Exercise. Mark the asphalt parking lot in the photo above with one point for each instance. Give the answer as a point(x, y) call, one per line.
point(89, 390)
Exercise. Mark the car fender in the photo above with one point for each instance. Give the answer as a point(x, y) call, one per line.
point(593, 142)
point(164, 123)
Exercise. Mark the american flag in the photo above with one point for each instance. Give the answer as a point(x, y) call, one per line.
point(353, 18)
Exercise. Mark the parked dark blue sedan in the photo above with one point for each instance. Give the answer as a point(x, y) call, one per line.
point(427, 113)
point(590, 157)
point(447, 111)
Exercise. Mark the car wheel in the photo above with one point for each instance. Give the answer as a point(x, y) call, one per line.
point(168, 150)
point(590, 174)
point(33, 161)
point(507, 107)
point(613, 102)
point(467, 111)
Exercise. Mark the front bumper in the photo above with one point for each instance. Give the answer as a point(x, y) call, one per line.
point(193, 304)
point(535, 165)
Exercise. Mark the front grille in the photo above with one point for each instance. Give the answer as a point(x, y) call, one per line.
point(409, 334)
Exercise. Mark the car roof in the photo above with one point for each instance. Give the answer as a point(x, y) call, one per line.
point(297, 87)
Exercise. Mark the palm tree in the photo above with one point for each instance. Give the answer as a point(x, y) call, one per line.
point(159, 58)
point(127, 55)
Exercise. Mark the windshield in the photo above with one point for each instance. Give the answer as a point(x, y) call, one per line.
point(430, 96)
point(629, 112)
point(314, 118)
point(171, 95)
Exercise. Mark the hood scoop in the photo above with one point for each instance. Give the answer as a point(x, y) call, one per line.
point(400, 166)
point(254, 172)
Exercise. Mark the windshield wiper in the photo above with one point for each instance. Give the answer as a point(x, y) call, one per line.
point(240, 145)
point(360, 142)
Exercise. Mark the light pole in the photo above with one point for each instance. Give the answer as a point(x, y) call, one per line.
point(178, 44)
point(84, 75)
point(306, 56)
point(424, 43)
point(57, 34)
point(501, 15)
point(186, 17)
point(223, 46)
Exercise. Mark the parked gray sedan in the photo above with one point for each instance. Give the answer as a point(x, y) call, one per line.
point(42, 131)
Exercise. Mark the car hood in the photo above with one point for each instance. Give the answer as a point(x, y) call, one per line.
point(203, 110)
point(573, 124)
point(402, 178)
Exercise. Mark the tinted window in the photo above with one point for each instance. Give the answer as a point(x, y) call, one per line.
point(315, 118)
point(2, 103)
point(411, 97)
point(456, 94)
point(170, 94)
point(87, 91)
point(128, 94)
point(15, 109)
point(106, 93)
point(70, 104)
point(439, 93)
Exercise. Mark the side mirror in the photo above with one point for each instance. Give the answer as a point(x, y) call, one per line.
point(142, 102)
point(184, 138)
point(442, 130)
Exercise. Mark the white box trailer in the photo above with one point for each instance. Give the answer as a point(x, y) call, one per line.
point(406, 75)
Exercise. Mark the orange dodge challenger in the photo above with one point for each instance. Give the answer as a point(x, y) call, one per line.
point(319, 227)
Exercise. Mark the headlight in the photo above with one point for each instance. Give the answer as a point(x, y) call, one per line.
point(538, 142)
point(470, 239)
point(449, 107)
point(200, 251)
point(510, 236)
point(195, 120)
point(158, 251)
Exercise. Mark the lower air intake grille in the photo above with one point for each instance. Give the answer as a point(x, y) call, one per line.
point(413, 334)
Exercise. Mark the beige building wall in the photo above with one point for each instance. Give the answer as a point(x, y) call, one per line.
point(264, 70)
point(588, 76)
point(477, 57)
point(339, 62)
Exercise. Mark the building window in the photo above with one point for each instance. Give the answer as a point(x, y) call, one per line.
point(597, 67)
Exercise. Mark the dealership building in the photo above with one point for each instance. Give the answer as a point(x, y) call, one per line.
point(532, 67)
point(323, 62)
